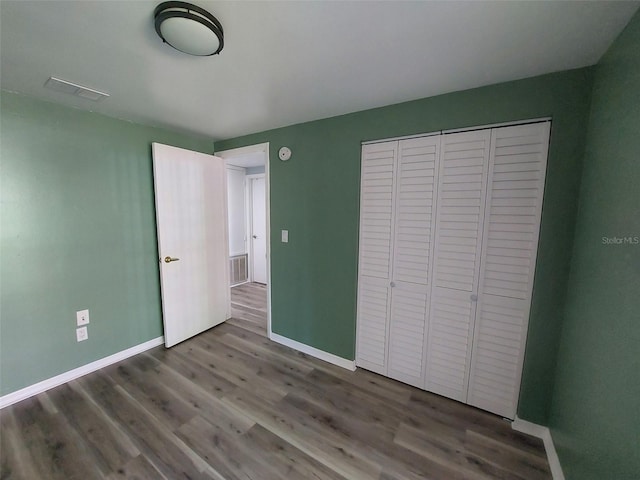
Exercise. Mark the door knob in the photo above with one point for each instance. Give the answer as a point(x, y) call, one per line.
point(392, 284)
point(170, 259)
point(474, 298)
point(255, 236)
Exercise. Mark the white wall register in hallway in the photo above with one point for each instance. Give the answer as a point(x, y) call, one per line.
point(448, 240)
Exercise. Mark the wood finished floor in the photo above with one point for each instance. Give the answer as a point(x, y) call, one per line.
point(249, 307)
point(231, 404)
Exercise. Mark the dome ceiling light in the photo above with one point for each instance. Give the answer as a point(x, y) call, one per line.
point(189, 28)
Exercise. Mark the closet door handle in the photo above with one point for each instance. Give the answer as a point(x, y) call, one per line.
point(392, 284)
point(474, 298)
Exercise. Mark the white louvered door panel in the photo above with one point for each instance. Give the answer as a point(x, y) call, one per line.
point(373, 313)
point(414, 208)
point(512, 223)
point(413, 237)
point(375, 252)
point(458, 239)
point(376, 205)
point(407, 332)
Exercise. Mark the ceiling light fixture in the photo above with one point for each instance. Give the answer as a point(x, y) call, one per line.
point(189, 28)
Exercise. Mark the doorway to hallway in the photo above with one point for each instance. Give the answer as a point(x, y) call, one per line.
point(249, 248)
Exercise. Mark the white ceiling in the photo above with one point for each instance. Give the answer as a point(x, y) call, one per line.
point(290, 62)
point(247, 160)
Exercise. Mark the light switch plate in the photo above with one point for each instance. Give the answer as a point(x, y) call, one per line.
point(82, 317)
point(285, 236)
point(82, 334)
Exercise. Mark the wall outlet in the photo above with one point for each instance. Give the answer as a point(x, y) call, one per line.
point(82, 334)
point(82, 317)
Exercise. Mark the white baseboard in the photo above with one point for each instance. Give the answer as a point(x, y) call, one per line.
point(314, 352)
point(545, 434)
point(49, 383)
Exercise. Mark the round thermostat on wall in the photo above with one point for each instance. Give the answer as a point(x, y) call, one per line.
point(284, 153)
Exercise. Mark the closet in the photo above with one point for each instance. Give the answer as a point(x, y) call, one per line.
point(448, 239)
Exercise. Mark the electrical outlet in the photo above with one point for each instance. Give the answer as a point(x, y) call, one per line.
point(82, 317)
point(82, 334)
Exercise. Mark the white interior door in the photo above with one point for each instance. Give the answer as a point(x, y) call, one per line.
point(258, 230)
point(191, 214)
point(236, 205)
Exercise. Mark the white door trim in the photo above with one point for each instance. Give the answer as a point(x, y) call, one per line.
point(457, 130)
point(237, 152)
point(264, 149)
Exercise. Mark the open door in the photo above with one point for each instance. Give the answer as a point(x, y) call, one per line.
point(191, 214)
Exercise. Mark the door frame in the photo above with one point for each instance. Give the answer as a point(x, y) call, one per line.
point(249, 218)
point(264, 149)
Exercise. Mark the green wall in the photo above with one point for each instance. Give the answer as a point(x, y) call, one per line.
point(595, 417)
point(315, 196)
point(77, 231)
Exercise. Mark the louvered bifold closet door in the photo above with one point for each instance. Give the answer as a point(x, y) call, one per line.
point(464, 159)
point(512, 223)
point(413, 238)
point(376, 246)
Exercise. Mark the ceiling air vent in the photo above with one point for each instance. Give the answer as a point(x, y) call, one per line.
point(74, 89)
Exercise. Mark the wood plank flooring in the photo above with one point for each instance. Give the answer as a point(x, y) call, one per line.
point(230, 404)
point(249, 307)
